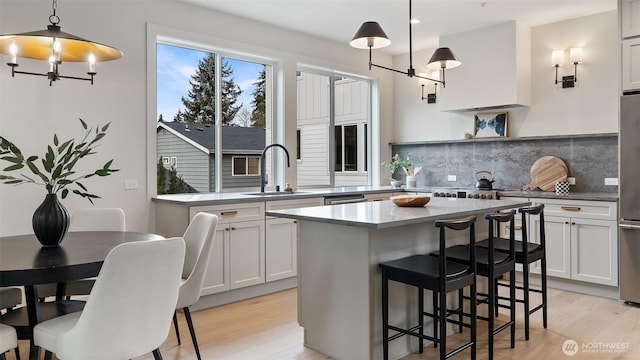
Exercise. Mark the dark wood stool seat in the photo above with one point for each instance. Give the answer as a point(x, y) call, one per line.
point(502, 245)
point(491, 264)
point(441, 277)
point(536, 252)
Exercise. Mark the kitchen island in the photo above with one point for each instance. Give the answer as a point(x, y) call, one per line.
point(340, 247)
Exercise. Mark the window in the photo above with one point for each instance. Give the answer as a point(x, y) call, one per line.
point(246, 166)
point(191, 110)
point(346, 148)
point(298, 145)
point(333, 113)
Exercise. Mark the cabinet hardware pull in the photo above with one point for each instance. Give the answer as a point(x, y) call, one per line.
point(233, 212)
point(233, 228)
point(573, 223)
point(570, 208)
point(515, 227)
point(566, 223)
point(295, 221)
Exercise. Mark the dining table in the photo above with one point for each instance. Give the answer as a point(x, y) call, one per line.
point(25, 262)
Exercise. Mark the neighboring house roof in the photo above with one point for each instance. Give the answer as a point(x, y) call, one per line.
point(235, 139)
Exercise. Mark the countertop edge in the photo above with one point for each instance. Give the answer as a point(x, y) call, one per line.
point(395, 223)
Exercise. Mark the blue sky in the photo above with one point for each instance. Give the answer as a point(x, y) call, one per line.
point(174, 69)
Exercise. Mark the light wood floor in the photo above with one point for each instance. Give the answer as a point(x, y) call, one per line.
point(265, 328)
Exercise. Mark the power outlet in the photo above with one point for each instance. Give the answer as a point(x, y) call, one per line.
point(451, 178)
point(571, 180)
point(611, 181)
point(130, 184)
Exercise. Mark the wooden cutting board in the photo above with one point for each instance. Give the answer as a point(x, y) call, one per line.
point(545, 172)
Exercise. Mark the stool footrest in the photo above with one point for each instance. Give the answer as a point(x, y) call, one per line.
point(411, 331)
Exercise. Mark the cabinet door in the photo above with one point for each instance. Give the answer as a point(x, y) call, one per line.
point(217, 278)
point(594, 248)
point(558, 244)
point(246, 254)
point(631, 64)
point(281, 245)
point(630, 18)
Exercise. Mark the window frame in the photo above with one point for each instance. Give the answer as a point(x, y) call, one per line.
point(246, 165)
point(201, 42)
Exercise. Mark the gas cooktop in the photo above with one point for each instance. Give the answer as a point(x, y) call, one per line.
point(465, 193)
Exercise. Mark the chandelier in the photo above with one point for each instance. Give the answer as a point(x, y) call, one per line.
point(371, 36)
point(55, 46)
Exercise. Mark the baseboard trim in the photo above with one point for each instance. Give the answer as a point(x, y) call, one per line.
point(227, 297)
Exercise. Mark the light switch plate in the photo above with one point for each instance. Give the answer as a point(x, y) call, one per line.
point(451, 178)
point(611, 181)
point(571, 180)
point(130, 184)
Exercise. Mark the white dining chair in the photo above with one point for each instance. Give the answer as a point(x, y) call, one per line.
point(8, 340)
point(10, 297)
point(130, 308)
point(87, 219)
point(97, 219)
point(199, 242)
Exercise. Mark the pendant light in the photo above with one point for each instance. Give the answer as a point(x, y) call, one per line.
point(55, 46)
point(371, 36)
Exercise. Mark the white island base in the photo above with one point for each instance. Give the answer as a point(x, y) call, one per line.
point(339, 289)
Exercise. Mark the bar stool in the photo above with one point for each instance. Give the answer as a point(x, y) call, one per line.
point(493, 264)
point(439, 276)
point(527, 252)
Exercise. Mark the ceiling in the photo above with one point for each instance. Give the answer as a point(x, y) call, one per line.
point(339, 20)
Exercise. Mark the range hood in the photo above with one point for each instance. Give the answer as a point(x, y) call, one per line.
point(495, 72)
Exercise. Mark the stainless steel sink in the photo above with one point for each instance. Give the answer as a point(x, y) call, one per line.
point(276, 193)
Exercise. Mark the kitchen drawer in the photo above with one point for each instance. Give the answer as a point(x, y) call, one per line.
point(292, 204)
point(232, 212)
point(601, 210)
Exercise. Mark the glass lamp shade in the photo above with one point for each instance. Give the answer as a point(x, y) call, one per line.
point(443, 58)
point(557, 57)
point(38, 44)
point(575, 55)
point(370, 35)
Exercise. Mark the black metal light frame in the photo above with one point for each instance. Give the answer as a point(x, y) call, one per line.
point(40, 45)
point(371, 31)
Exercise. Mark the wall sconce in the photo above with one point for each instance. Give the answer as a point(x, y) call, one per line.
point(575, 57)
point(431, 97)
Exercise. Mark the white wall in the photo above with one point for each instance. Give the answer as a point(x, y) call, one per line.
point(31, 111)
point(591, 107)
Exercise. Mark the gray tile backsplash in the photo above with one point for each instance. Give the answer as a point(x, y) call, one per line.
point(590, 158)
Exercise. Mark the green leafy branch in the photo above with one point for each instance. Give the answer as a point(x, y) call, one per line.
point(396, 163)
point(57, 174)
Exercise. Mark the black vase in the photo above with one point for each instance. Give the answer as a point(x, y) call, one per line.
point(50, 221)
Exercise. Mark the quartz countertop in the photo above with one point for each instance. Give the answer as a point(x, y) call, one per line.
point(246, 196)
point(255, 196)
point(552, 195)
point(385, 214)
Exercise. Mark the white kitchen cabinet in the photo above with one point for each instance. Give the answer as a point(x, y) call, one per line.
point(281, 250)
point(630, 18)
point(558, 245)
point(238, 255)
point(281, 260)
point(581, 240)
point(631, 64)
point(246, 254)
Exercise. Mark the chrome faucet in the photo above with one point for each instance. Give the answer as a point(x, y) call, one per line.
point(263, 179)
